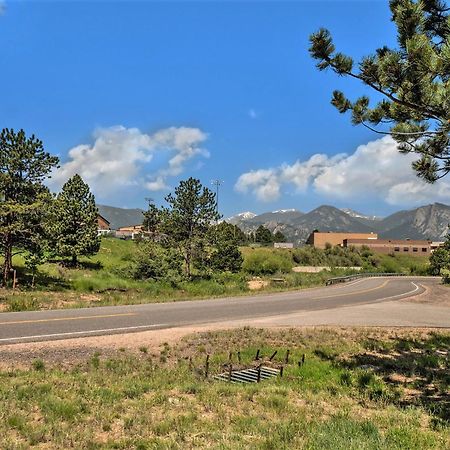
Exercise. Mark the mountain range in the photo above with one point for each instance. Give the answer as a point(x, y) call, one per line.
point(426, 222)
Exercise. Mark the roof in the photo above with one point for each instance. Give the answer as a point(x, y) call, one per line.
point(103, 218)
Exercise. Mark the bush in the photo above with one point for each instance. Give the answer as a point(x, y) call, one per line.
point(152, 261)
point(261, 262)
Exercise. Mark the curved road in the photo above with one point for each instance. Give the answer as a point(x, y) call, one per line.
point(62, 324)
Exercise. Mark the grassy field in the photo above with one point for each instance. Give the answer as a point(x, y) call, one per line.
point(358, 389)
point(105, 279)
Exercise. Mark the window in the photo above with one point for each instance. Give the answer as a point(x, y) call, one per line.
point(424, 249)
point(415, 249)
point(406, 249)
point(396, 249)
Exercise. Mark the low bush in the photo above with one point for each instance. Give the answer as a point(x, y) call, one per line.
point(261, 262)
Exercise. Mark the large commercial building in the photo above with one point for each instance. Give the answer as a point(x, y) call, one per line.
point(392, 246)
point(320, 240)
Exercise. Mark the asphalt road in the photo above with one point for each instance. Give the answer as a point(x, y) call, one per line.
point(62, 324)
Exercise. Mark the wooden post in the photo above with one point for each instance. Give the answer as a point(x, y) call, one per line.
point(14, 279)
point(273, 355)
point(239, 357)
point(257, 355)
point(190, 362)
point(230, 356)
point(259, 374)
point(207, 366)
point(281, 371)
point(286, 359)
point(303, 359)
point(230, 371)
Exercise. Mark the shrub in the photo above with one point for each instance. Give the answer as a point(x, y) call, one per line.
point(152, 261)
point(266, 263)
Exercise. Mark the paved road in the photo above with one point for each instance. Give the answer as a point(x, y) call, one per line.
point(61, 324)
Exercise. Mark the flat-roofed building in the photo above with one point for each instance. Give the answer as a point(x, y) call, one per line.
point(321, 239)
point(392, 246)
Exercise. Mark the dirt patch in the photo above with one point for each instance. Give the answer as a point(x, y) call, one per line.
point(438, 294)
point(257, 284)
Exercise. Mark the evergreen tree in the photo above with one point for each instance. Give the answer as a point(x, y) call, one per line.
point(413, 80)
point(186, 221)
point(279, 237)
point(263, 235)
point(24, 165)
point(226, 256)
point(152, 218)
point(75, 221)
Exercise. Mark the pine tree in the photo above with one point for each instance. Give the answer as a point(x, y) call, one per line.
point(75, 225)
point(24, 165)
point(263, 235)
point(279, 237)
point(413, 79)
point(186, 221)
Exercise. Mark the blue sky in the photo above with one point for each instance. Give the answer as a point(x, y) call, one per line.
point(144, 94)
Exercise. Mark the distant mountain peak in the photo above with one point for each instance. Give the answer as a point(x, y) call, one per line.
point(358, 215)
point(282, 211)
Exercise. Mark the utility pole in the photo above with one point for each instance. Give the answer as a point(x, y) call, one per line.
point(217, 184)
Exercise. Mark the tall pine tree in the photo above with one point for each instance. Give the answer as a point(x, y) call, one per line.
point(75, 221)
point(413, 81)
point(186, 221)
point(24, 165)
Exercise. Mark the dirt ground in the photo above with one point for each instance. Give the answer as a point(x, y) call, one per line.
point(433, 295)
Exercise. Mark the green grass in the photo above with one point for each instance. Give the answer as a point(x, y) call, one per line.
point(105, 278)
point(133, 400)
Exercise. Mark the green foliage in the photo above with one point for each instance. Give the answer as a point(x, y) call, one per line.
point(74, 223)
point(24, 200)
point(154, 262)
point(261, 262)
point(263, 235)
point(440, 261)
point(225, 256)
point(413, 80)
point(279, 237)
point(185, 223)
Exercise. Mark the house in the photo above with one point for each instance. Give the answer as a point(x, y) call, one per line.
point(103, 225)
point(320, 240)
point(392, 246)
point(130, 232)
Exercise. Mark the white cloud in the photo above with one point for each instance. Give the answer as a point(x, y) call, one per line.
point(2, 7)
point(374, 170)
point(118, 154)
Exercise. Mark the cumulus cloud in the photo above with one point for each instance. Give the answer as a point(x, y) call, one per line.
point(376, 169)
point(118, 154)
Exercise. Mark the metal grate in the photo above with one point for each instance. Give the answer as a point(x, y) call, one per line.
point(253, 375)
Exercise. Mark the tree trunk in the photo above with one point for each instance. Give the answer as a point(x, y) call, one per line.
point(74, 260)
point(7, 264)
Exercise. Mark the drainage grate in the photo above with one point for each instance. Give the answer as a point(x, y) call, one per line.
point(254, 375)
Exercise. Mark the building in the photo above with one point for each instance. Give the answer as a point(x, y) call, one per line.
point(392, 246)
point(320, 240)
point(103, 225)
point(129, 232)
point(283, 245)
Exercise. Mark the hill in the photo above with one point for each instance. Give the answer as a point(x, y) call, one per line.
point(121, 217)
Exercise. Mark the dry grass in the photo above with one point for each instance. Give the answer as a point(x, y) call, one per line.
point(151, 399)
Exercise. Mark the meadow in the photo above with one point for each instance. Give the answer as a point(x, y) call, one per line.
point(105, 279)
point(357, 389)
